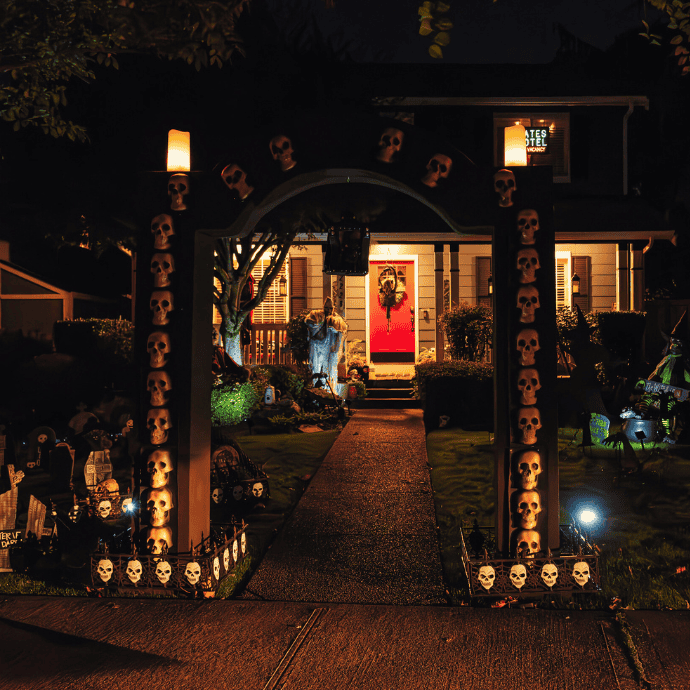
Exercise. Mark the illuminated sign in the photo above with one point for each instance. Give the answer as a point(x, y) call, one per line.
point(537, 139)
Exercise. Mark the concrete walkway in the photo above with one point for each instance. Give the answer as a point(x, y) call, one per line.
point(364, 531)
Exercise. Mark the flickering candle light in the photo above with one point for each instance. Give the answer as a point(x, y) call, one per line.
point(515, 148)
point(178, 151)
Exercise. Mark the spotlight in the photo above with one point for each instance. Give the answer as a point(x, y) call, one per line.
point(587, 517)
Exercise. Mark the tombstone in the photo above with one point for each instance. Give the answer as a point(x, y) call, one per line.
point(599, 428)
point(80, 419)
point(8, 520)
point(61, 468)
point(36, 518)
point(97, 468)
point(41, 443)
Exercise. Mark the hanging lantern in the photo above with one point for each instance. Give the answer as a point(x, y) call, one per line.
point(490, 283)
point(347, 249)
point(282, 287)
point(575, 282)
point(178, 151)
point(515, 147)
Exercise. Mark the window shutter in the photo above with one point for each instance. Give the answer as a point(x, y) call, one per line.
point(561, 283)
point(582, 265)
point(483, 273)
point(273, 309)
point(298, 285)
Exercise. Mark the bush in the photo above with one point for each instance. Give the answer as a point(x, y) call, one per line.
point(105, 339)
point(234, 402)
point(468, 330)
point(298, 337)
point(286, 379)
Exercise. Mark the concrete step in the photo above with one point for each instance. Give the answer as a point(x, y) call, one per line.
point(387, 404)
point(389, 392)
point(389, 383)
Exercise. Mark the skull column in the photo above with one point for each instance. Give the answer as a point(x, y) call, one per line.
point(526, 424)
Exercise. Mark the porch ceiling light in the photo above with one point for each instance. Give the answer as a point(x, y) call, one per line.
point(178, 151)
point(515, 147)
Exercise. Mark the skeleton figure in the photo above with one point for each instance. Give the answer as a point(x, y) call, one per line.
point(162, 265)
point(158, 423)
point(163, 572)
point(518, 575)
point(178, 188)
point(390, 145)
point(158, 346)
point(162, 229)
point(217, 495)
point(486, 576)
point(159, 466)
point(282, 151)
point(105, 569)
point(159, 385)
point(529, 422)
point(528, 468)
point(528, 543)
point(504, 184)
point(528, 264)
point(236, 180)
point(527, 302)
point(158, 539)
point(161, 305)
point(549, 573)
point(527, 346)
point(104, 508)
point(258, 490)
point(528, 508)
point(134, 571)
point(159, 504)
point(528, 224)
point(528, 385)
point(437, 168)
point(226, 560)
point(581, 573)
point(192, 572)
point(216, 568)
point(237, 492)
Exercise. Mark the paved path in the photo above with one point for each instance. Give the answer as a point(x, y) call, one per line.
point(364, 531)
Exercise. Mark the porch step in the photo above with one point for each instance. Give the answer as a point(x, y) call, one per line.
point(389, 392)
point(396, 394)
point(387, 404)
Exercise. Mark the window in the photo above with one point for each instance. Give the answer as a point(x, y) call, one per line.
point(557, 152)
point(274, 308)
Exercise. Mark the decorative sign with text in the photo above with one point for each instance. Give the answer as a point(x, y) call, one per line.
point(537, 139)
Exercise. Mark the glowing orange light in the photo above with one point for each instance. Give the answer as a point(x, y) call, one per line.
point(178, 151)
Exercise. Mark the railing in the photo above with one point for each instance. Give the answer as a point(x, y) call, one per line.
point(268, 345)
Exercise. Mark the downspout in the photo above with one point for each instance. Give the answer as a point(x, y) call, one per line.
point(625, 147)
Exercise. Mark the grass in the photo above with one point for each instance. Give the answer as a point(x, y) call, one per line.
point(645, 533)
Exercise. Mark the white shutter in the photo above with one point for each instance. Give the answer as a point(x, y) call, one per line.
point(274, 308)
point(563, 279)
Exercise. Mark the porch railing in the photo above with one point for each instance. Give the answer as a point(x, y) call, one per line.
point(268, 345)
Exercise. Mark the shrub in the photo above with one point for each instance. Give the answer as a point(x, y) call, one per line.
point(468, 330)
point(108, 339)
point(234, 402)
point(298, 337)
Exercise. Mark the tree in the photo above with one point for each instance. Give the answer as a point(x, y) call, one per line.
point(44, 45)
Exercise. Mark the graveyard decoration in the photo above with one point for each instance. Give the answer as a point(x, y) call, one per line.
point(41, 443)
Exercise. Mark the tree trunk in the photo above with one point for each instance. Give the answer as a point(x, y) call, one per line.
point(232, 343)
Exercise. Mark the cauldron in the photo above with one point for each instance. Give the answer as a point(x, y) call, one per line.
point(649, 427)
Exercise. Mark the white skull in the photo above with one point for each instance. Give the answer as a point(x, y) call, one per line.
point(528, 507)
point(104, 508)
point(390, 144)
point(178, 188)
point(528, 543)
point(159, 504)
point(529, 422)
point(162, 265)
point(527, 346)
point(105, 569)
point(549, 573)
point(158, 346)
point(437, 168)
point(528, 264)
point(158, 423)
point(281, 150)
point(159, 539)
point(504, 184)
point(159, 384)
point(258, 489)
point(243, 543)
point(162, 229)
point(163, 571)
point(42, 438)
point(161, 305)
point(235, 550)
point(528, 385)
point(159, 466)
point(527, 302)
point(226, 560)
point(581, 573)
point(217, 495)
point(236, 179)
point(237, 492)
point(134, 570)
point(192, 572)
point(518, 575)
point(528, 224)
point(528, 468)
point(216, 568)
point(486, 577)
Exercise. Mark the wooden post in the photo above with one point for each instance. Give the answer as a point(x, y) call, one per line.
point(454, 274)
point(438, 291)
point(637, 276)
point(623, 281)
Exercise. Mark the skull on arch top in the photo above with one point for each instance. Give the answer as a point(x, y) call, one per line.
point(528, 468)
point(581, 573)
point(504, 184)
point(518, 575)
point(527, 225)
point(178, 188)
point(236, 180)
point(527, 346)
point(159, 385)
point(390, 144)
point(282, 151)
point(159, 466)
point(486, 576)
point(528, 385)
point(528, 264)
point(529, 422)
point(159, 504)
point(436, 169)
point(162, 265)
point(528, 542)
point(527, 303)
point(159, 540)
point(158, 423)
point(158, 346)
point(162, 229)
point(528, 508)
